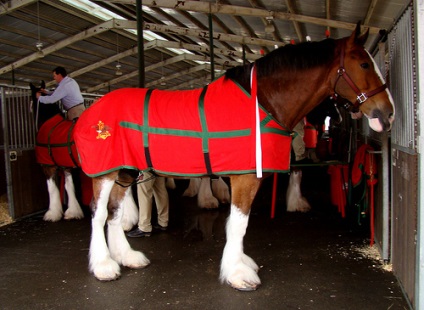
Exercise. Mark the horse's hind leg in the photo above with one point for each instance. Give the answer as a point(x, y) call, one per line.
point(221, 191)
point(74, 210)
point(238, 269)
point(130, 213)
point(193, 188)
point(55, 211)
point(205, 198)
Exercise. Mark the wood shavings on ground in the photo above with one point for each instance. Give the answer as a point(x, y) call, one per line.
point(4, 211)
point(372, 252)
point(360, 252)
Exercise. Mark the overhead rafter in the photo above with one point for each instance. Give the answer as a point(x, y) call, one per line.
point(59, 45)
point(370, 11)
point(126, 24)
point(297, 27)
point(205, 34)
point(207, 7)
point(10, 6)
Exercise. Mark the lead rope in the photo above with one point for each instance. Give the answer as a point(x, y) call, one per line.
point(137, 180)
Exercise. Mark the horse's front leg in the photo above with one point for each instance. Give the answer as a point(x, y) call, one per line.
point(55, 211)
point(74, 210)
point(108, 204)
point(294, 199)
point(102, 265)
point(120, 249)
point(238, 269)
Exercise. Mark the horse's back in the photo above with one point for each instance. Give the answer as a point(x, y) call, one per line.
point(55, 144)
point(186, 133)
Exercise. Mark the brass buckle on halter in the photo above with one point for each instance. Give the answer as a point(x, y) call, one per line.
point(362, 98)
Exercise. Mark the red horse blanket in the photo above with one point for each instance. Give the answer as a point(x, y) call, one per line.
point(55, 144)
point(189, 133)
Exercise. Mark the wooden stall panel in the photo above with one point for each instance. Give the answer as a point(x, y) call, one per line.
point(404, 219)
point(29, 186)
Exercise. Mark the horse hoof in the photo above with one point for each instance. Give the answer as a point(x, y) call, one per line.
point(104, 277)
point(52, 217)
point(244, 286)
point(73, 217)
point(108, 279)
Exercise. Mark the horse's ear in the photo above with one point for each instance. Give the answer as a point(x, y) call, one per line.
point(43, 84)
point(356, 37)
point(31, 86)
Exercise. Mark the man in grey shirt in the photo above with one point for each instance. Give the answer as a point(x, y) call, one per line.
point(67, 91)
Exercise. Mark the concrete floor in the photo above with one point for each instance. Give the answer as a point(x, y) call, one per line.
point(308, 261)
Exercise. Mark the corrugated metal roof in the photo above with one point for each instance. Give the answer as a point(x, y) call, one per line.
point(83, 38)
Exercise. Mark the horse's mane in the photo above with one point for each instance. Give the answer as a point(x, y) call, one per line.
point(290, 57)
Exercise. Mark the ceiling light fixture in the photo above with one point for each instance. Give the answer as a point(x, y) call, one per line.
point(269, 28)
point(118, 65)
point(39, 45)
point(162, 79)
point(118, 69)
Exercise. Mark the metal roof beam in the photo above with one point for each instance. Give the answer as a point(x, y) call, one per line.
point(370, 11)
point(205, 49)
point(59, 45)
point(205, 34)
point(183, 57)
point(8, 7)
point(127, 76)
point(207, 7)
point(292, 8)
point(179, 74)
point(162, 44)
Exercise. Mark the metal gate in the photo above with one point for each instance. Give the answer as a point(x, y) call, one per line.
point(404, 136)
point(22, 179)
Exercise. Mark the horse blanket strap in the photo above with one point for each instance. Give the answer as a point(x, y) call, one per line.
point(55, 144)
point(198, 132)
point(258, 144)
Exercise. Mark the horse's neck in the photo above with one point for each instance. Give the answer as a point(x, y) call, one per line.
point(289, 97)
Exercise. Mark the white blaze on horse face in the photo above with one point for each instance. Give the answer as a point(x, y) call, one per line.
point(389, 95)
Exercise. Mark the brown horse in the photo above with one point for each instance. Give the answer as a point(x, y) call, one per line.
point(289, 83)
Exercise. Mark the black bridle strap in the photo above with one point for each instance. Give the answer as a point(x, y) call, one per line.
point(360, 97)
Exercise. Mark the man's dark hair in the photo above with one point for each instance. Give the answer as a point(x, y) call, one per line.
point(61, 71)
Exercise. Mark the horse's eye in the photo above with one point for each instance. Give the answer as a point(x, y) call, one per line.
point(365, 65)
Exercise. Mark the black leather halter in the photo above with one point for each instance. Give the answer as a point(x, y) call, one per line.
point(360, 97)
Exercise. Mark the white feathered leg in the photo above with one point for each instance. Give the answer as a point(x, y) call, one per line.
point(205, 199)
point(193, 188)
point(74, 210)
point(120, 249)
point(102, 265)
point(130, 213)
point(170, 183)
point(238, 269)
point(294, 199)
point(221, 191)
point(55, 211)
